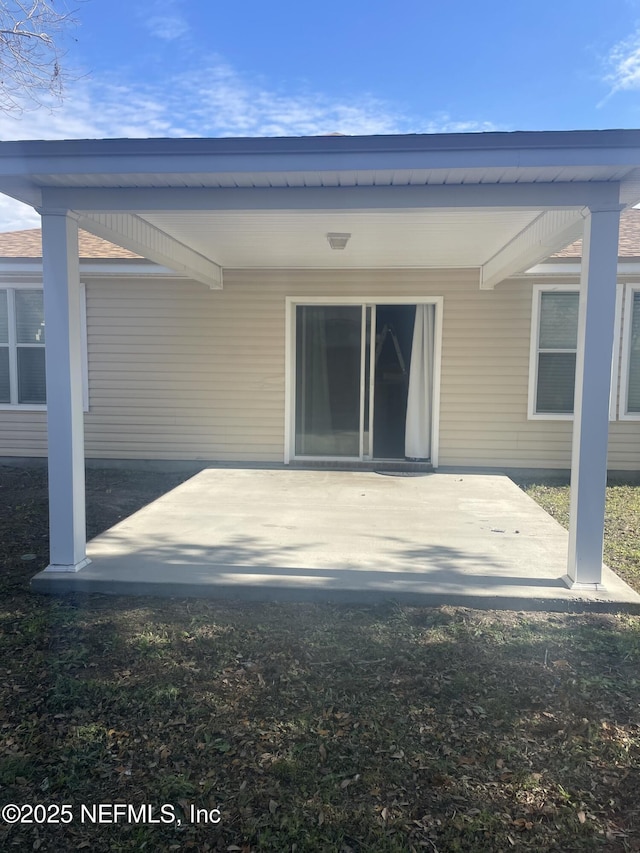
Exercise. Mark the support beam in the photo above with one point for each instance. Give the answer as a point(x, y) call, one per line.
point(67, 527)
point(548, 233)
point(133, 233)
point(591, 405)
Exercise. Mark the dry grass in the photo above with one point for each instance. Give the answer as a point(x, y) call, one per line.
point(622, 523)
point(311, 728)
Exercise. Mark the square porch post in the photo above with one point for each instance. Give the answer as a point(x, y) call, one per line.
point(592, 391)
point(63, 352)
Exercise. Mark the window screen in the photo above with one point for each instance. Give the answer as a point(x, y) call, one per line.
point(5, 390)
point(29, 317)
point(557, 344)
point(633, 390)
point(31, 381)
point(22, 360)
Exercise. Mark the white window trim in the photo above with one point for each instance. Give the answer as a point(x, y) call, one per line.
point(84, 348)
point(615, 362)
point(538, 289)
point(629, 291)
point(10, 287)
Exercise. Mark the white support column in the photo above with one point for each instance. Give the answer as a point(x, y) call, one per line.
point(591, 405)
point(67, 527)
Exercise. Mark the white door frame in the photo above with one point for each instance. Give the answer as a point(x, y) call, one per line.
point(291, 303)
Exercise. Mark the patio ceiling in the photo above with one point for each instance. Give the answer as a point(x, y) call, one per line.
point(398, 238)
point(496, 202)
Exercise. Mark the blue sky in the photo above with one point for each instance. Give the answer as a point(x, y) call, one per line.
point(247, 68)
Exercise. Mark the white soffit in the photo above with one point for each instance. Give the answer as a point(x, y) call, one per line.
point(398, 238)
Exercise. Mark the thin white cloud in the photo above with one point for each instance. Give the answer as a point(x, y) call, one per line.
point(15, 216)
point(96, 111)
point(623, 64)
point(226, 105)
point(444, 123)
point(164, 20)
point(215, 101)
point(167, 27)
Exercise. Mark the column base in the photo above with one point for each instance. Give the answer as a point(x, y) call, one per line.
point(73, 567)
point(588, 587)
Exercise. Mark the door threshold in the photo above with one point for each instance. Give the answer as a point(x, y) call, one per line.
point(377, 465)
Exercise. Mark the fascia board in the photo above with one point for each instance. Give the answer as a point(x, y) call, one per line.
point(34, 161)
point(141, 200)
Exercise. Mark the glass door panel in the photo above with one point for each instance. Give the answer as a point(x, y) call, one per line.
point(367, 382)
point(328, 380)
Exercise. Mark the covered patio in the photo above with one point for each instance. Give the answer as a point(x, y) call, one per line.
point(465, 539)
point(494, 204)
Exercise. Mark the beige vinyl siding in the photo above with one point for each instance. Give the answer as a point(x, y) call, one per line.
point(485, 376)
point(23, 433)
point(188, 373)
point(485, 372)
point(177, 371)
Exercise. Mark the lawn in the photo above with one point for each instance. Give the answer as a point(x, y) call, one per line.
point(310, 727)
point(622, 522)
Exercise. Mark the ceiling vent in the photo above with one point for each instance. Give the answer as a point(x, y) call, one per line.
point(338, 241)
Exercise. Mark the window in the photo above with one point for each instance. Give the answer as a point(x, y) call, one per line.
point(554, 341)
point(22, 340)
point(630, 380)
point(554, 347)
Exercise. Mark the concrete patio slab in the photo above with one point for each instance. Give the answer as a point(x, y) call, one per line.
point(349, 536)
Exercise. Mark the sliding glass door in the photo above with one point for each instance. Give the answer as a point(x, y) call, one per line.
point(353, 394)
point(329, 363)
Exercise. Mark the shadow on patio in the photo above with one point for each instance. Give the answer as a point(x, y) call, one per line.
point(347, 536)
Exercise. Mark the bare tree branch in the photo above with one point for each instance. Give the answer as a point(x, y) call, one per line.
point(31, 53)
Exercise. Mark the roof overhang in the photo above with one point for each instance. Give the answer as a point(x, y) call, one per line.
point(496, 202)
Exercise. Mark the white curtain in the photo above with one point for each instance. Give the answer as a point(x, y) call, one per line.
point(418, 425)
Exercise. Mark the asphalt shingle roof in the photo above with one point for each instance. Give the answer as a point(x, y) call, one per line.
point(28, 244)
point(629, 245)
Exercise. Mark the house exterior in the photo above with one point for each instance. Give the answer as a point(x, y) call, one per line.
point(467, 299)
point(173, 370)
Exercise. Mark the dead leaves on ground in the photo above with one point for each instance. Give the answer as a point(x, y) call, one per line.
point(359, 729)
